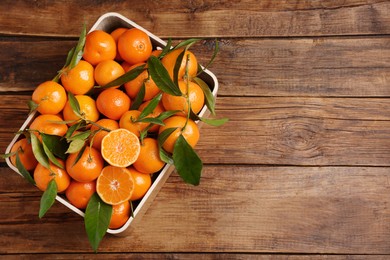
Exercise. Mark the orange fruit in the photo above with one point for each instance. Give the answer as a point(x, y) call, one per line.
point(149, 157)
point(99, 46)
point(115, 185)
point(43, 176)
point(120, 215)
point(128, 121)
point(156, 53)
point(169, 61)
point(97, 138)
point(48, 124)
point(134, 46)
point(190, 132)
point(87, 108)
point(79, 80)
point(107, 71)
point(115, 34)
point(132, 87)
point(195, 95)
point(142, 183)
point(156, 112)
point(120, 147)
point(87, 168)
point(79, 193)
point(26, 156)
point(50, 97)
point(113, 103)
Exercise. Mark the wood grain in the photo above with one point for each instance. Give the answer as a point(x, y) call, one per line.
point(325, 210)
point(205, 18)
point(247, 67)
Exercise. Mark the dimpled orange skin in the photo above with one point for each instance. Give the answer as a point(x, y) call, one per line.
point(149, 161)
point(190, 133)
point(87, 107)
point(43, 176)
point(113, 103)
point(120, 214)
point(26, 154)
point(107, 71)
point(47, 124)
point(134, 46)
point(79, 80)
point(50, 97)
point(87, 168)
point(195, 96)
point(99, 46)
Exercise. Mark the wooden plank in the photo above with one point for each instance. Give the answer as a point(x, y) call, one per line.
point(205, 18)
point(244, 67)
point(279, 131)
point(312, 210)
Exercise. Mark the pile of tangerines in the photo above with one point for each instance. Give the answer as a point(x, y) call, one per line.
point(111, 131)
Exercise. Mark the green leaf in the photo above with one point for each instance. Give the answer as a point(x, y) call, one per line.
point(56, 144)
point(187, 162)
point(32, 106)
point(74, 128)
point(161, 77)
point(74, 104)
point(151, 120)
point(96, 220)
point(51, 156)
point(139, 98)
point(23, 170)
point(79, 155)
point(128, 76)
point(150, 107)
point(80, 136)
point(177, 66)
point(67, 61)
point(186, 43)
point(209, 98)
point(164, 155)
point(216, 50)
point(166, 48)
point(38, 151)
point(48, 198)
point(164, 115)
point(75, 146)
point(209, 121)
point(79, 49)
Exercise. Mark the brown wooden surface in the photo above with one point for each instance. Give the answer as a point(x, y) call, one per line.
point(300, 171)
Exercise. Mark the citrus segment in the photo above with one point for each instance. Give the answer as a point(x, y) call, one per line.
point(120, 147)
point(115, 185)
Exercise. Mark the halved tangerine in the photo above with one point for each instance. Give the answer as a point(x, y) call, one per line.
point(115, 185)
point(120, 147)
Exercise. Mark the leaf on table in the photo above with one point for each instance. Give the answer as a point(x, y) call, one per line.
point(187, 162)
point(48, 198)
point(96, 220)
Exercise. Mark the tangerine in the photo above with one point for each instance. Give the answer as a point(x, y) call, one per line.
point(134, 46)
point(142, 183)
point(155, 113)
point(99, 133)
point(99, 46)
point(80, 79)
point(129, 121)
point(107, 71)
point(43, 176)
point(50, 97)
point(188, 129)
point(149, 160)
point(79, 193)
point(88, 110)
point(189, 62)
point(113, 103)
point(26, 155)
point(120, 214)
point(49, 124)
point(116, 34)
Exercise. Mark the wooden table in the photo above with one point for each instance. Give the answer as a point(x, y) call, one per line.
point(302, 168)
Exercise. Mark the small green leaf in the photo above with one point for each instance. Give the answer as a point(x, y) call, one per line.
point(177, 66)
point(68, 59)
point(96, 220)
point(165, 156)
point(38, 151)
point(48, 198)
point(74, 128)
point(51, 156)
point(80, 136)
point(23, 170)
point(151, 120)
point(186, 43)
point(166, 48)
point(79, 49)
point(139, 98)
point(74, 104)
point(32, 106)
point(187, 162)
point(161, 77)
point(128, 76)
point(150, 107)
point(164, 115)
point(209, 98)
point(216, 50)
point(79, 155)
point(75, 146)
point(56, 144)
